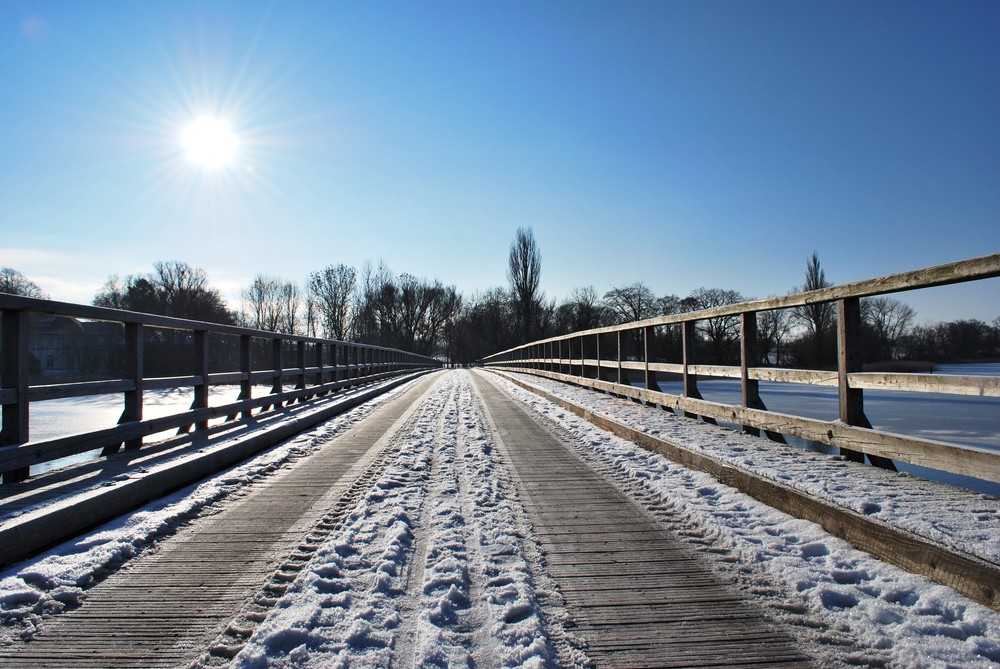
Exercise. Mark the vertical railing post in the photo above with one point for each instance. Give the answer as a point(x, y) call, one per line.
point(300, 362)
point(200, 401)
point(649, 346)
point(851, 400)
point(619, 337)
point(748, 358)
point(583, 359)
point(320, 349)
point(246, 372)
point(276, 380)
point(688, 340)
point(15, 378)
point(645, 357)
point(201, 370)
point(132, 411)
point(597, 351)
point(338, 362)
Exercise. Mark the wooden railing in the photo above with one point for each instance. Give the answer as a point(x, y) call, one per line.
point(566, 358)
point(298, 369)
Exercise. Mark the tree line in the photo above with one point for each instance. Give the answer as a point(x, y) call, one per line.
point(373, 305)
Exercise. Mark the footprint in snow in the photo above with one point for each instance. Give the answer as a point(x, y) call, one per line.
point(814, 550)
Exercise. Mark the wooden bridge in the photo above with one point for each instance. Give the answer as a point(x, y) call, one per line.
point(554, 560)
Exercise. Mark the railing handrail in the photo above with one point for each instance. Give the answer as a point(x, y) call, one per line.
point(352, 364)
point(974, 269)
point(554, 358)
point(33, 305)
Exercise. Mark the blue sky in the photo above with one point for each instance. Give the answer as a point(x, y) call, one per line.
point(682, 144)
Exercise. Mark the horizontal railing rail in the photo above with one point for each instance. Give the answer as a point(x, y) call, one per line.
point(565, 358)
point(315, 368)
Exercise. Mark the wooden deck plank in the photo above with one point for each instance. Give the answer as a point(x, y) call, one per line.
point(166, 607)
point(636, 594)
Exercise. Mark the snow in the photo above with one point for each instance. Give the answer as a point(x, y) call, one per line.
point(58, 578)
point(437, 562)
point(431, 565)
point(848, 607)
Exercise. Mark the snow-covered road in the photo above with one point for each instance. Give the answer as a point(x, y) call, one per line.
point(437, 564)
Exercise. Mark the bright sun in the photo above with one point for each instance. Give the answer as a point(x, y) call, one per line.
point(209, 142)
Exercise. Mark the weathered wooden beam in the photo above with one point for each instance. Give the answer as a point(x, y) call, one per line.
point(963, 460)
point(38, 452)
point(975, 386)
point(135, 360)
point(969, 575)
point(201, 369)
point(14, 377)
point(689, 339)
point(974, 269)
point(851, 400)
point(749, 392)
point(80, 389)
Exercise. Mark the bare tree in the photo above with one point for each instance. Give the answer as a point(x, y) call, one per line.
point(888, 320)
point(272, 304)
point(669, 304)
point(721, 333)
point(112, 294)
point(485, 326)
point(332, 289)
point(290, 300)
point(370, 303)
point(15, 283)
point(773, 330)
point(524, 273)
point(635, 302)
point(582, 311)
point(260, 303)
point(818, 318)
point(171, 289)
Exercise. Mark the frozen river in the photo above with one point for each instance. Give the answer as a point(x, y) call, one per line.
point(969, 421)
point(963, 420)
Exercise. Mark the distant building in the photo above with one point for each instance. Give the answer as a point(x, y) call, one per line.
point(63, 348)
